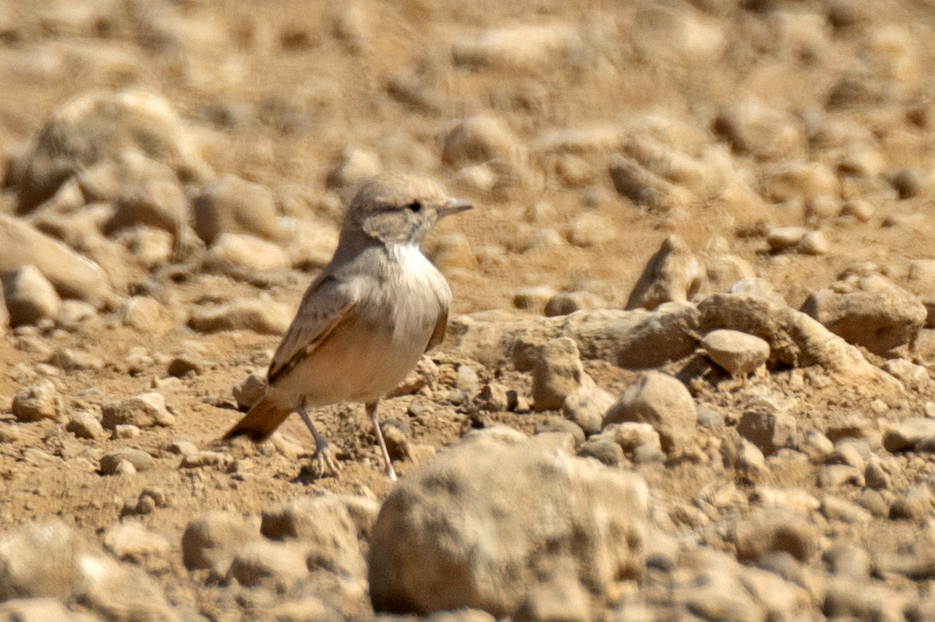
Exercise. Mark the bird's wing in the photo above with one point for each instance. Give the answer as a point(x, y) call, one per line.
point(438, 334)
point(325, 304)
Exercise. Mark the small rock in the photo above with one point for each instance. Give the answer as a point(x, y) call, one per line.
point(533, 298)
point(561, 426)
point(769, 429)
point(424, 374)
point(212, 539)
point(234, 205)
point(849, 560)
point(145, 410)
point(661, 401)
point(40, 400)
point(586, 406)
point(355, 167)
point(30, 297)
point(561, 598)
point(71, 274)
point(710, 418)
point(262, 316)
point(775, 530)
point(876, 477)
point(250, 391)
point(837, 475)
point(905, 435)
point(84, 424)
point(914, 506)
point(185, 364)
point(737, 352)
point(325, 529)
point(565, 303)
point(126, 430)
point(605, 450)
point(558, 372)
point(673, 273)
point(835, 508)
point(241, 256)
point(137, 458)
point(201, 459)
point(131, 541)
point(146, 314)
point(275, 565)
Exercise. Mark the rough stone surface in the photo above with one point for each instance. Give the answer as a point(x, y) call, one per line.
point(426, 556)
point(234, 205)
point(878, 316)
point(557, 373)
point(38, 401)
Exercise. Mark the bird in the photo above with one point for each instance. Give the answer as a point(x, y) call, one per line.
point(367, 318)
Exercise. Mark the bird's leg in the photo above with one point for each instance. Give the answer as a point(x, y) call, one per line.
point(322, 451)
point(388, 465)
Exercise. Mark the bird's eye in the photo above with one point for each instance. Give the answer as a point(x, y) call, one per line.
point(414, 207)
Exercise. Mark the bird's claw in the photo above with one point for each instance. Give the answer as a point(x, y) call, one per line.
point(326, 462)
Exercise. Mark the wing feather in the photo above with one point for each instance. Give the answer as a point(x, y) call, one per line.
point(325, 304)
point(438, 334)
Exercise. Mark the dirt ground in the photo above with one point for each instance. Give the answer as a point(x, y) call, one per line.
point(277, 92)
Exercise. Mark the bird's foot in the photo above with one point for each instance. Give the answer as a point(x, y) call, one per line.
point(326, 461)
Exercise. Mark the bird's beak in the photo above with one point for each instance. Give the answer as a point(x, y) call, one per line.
point(453, 206)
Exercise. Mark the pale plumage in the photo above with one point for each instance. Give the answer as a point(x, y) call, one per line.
point(366, 319)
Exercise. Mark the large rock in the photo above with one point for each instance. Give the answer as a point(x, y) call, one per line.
point(104, 125)
point(795, 339)
point(50, 559)
point(875, 314)
point(72, 275)
point(635, 339)
point(661, 401)
point(324, 529)
point(485, 522)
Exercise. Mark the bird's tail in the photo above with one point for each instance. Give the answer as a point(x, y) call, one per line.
point(262, 420)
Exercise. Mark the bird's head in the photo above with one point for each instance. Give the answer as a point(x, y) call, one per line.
point(400, 208)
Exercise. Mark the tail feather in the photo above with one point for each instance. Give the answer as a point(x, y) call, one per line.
point(262, 420)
